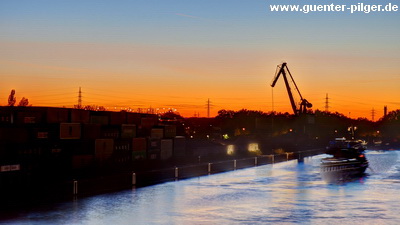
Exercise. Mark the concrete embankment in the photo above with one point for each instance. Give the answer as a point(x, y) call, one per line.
point(45, 191)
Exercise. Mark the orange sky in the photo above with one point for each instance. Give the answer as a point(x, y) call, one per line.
point(119, 75)
point(164, 58)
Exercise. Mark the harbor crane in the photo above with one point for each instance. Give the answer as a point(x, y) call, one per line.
point(304, 104)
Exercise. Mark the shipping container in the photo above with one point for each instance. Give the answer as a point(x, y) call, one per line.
point(91, 131)
point(128, 130)
point(102, 120)
point(122, 145)
point(170, 131)
point(29, 117)
point(138, 155)
point(179, 147)
point(70, 130)
point(80, 116)
point(134, 118)
point(10, 168)
point(69, 146)
point(157, 133)
point(82, 161)
point(110, 132)
point(103, 149)
point(33, 150)
point(45, 132)
point(14, 134)
point(117, 118)
point(6, 116)
point(166, 149)
point(154, 144)
point(121, 157)
point(143, 132)
point(139, 144)
point(153, 154)
point(42, 134)
point(57, 115)
point(81, 147)
point(5, 119)
point(149, 121)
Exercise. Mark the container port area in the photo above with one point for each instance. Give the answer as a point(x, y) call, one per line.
point(58, 153)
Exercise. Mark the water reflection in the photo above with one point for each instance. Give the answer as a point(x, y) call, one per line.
point(283, 193)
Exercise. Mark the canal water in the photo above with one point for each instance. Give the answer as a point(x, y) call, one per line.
point(284, 193)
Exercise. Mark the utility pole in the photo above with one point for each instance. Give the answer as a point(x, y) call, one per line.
point(80, 99)
point(326, 103)
point(208, 108)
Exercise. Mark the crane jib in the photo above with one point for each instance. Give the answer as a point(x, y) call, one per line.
point(304, 104)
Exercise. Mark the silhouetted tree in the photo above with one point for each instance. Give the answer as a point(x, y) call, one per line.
point(11, 98)
point(171, 116)
point(389, 128)
point(392, 116)
point(225, 114)
point(94, 108)
point(24, 102)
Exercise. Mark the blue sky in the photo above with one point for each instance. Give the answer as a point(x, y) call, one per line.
point(211, 44)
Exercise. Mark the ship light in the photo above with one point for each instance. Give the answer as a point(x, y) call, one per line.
point(361, 156)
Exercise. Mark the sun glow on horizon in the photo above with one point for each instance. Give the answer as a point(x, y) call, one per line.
point(179, 54)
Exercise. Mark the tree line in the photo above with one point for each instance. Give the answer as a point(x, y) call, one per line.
point(12, 100)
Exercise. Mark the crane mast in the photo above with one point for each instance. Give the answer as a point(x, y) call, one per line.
point(284, 71)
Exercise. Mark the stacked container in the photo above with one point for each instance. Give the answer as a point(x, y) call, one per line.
point(103, 149)
point(80, 116)
point(179, 147)
point(139, 147)
point(128, 130)
point(70, 131)
point(166, 150)
point(153, 151)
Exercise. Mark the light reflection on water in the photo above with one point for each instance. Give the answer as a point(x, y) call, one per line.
point(283, 193)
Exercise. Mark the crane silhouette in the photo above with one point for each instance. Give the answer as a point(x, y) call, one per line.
point(283, 70)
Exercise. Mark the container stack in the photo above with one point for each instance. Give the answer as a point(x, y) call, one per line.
point(36, 137)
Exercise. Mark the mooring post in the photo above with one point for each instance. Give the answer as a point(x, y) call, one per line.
point(75, 187)
point(176, 172)
point(209, 168)
point(300, 159)
point(133, 179)
point(273, 158)
point(255, 161)
point(234, 164)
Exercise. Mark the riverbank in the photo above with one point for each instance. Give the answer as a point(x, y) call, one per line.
point(45, 191)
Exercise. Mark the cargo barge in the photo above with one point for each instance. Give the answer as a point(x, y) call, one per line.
point(348, 161)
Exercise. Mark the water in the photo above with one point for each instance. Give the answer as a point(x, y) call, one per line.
point(283, 193)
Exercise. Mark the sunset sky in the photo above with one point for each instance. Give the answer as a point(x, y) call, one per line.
point(179, 53)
